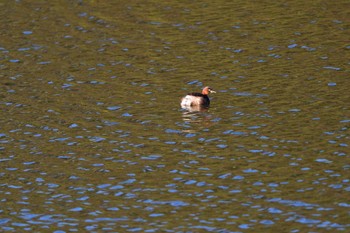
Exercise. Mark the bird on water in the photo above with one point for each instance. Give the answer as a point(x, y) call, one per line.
point(197, 99)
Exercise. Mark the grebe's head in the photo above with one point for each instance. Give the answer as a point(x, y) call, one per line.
point(207, 90)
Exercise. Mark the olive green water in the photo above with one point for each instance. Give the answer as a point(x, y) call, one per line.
point(93, 139)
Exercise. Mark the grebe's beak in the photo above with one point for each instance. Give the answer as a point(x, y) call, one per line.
point(212, 91)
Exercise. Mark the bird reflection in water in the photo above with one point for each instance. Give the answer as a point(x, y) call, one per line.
point(197, 114)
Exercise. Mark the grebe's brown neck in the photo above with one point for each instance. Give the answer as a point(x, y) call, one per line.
point(207, 90)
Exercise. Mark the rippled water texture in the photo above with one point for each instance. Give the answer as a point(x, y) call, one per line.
point(93, 139)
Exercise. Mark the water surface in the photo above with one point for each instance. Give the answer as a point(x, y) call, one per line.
point(93, 138)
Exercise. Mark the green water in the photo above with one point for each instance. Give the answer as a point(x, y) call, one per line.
point(92, 136)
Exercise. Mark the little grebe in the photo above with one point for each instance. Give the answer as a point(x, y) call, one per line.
point(197, 99)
